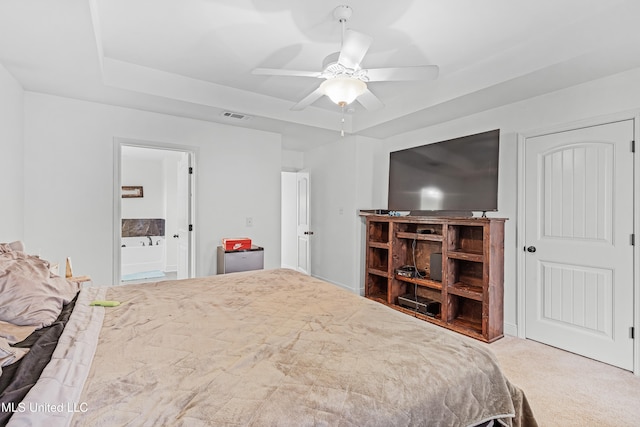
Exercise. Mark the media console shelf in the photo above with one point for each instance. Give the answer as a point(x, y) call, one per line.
point(472, 258)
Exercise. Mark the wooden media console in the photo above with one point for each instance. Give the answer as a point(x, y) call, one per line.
point(470, 289)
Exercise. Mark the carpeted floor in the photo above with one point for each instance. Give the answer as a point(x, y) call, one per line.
point(568, 390)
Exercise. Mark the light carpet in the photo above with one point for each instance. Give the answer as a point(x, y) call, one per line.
point(567, 390)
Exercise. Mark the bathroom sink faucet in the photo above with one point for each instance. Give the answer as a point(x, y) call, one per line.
point(150, 241)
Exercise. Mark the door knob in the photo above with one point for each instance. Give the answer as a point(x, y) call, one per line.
point(531, 249)
point(175, 236)
point(308, 233)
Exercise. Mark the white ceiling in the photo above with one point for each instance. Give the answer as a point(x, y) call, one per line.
point(193, 58)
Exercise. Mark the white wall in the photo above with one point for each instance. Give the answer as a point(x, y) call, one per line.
point(292, 161)
point(148, 173)
point(11, 160)
point(340, 178)
point(598, 98)
point(366, 197)
point(69, 175)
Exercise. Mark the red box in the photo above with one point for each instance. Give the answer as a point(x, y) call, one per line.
point(236, 244)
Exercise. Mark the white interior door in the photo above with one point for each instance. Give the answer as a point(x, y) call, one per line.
point(183, 196)
point(303, 223)
point(579, 225)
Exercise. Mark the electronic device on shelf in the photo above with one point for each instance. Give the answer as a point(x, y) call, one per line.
point(422, 305)
point(435, 264)
point(410, 271)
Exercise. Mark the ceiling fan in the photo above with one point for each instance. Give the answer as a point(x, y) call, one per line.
point(344, 79)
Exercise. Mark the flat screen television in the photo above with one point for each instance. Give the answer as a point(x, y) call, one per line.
point(457, 175)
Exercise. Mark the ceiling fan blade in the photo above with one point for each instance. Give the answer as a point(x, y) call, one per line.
point(308, 100)
point(370, 101)
point(354, 46)
point(288, 73)
point(426, 72)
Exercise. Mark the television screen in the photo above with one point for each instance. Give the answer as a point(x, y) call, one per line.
point(456, 175)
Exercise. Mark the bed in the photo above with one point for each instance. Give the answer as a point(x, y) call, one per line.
point(270, 347)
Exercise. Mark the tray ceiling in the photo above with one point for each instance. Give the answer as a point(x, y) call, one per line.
point(194, 58)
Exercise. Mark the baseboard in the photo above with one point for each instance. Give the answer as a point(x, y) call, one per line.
point(345, 287)
point(510, 329)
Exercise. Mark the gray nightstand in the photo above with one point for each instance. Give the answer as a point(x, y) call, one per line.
point(240, 260)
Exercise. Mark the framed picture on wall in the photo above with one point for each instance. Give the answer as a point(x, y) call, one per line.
point(131, 191)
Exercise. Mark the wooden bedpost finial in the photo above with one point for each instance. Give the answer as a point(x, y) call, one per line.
point(69, 272)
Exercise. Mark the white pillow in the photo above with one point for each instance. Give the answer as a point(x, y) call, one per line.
point(18, 245)
point(30, 295)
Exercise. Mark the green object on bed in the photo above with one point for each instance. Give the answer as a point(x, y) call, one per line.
point(105, 303)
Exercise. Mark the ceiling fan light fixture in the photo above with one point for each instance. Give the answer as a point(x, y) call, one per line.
point(343, 90)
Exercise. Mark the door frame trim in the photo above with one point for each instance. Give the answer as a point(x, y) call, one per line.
point(118, 143)
point(521, 218)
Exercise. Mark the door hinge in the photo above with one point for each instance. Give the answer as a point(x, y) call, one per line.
point(633, 240)
point(190, 170)
point(190, 227)
point(633, 146)
point(632, 332)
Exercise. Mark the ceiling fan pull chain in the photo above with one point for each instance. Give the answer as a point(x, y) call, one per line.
point(342, 123)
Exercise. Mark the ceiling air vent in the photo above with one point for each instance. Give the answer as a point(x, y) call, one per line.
point(235, 116)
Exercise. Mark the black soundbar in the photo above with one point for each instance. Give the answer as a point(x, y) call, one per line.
point(422, 305)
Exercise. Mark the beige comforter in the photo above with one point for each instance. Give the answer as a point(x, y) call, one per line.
point(280, 348)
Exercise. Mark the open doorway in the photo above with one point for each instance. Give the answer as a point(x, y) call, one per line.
point(153, 241)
